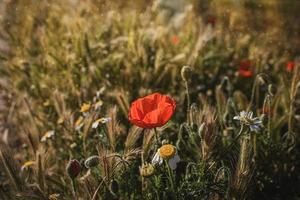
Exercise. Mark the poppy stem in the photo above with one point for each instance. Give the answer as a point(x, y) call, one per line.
point(188, 101)
point(156, 137)
point(73, 188)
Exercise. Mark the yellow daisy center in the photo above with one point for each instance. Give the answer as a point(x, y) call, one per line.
point(167, 151)
point(85, 107)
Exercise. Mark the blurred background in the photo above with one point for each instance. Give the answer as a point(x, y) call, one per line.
point(56, 55)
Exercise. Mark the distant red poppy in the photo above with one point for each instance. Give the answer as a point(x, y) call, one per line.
point(266, 111)
point(152, 111)
point(290, 65)
point(245, 68)
point(175, 40)
point(211, 20)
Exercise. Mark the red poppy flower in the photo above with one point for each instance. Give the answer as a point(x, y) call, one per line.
point(175, 40)
point(266, 111)
point(211, 20)
point(290, 66)
point(245, 68)
point(152, 111)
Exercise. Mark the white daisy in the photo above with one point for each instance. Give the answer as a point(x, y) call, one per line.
point(166, 152)
point(47, 135)
point(102, 120)
point(247, 119)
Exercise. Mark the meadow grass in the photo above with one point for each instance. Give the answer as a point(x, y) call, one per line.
point(70, 70)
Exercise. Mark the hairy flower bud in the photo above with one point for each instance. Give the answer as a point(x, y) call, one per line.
point(146, 170)
point(185, 73)
point(114, 187)
point(92, 161)
point(73, 168)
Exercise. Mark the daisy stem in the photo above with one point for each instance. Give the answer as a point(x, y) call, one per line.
point(255, 145)
point(170, 174)
point(240, 132)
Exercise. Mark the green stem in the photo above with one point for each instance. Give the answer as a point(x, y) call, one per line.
point(252, 95)
point(73, 189)
point(156, 138)
point(156, 186)
point(188, 102)
point(240, 132)
point(170, 174)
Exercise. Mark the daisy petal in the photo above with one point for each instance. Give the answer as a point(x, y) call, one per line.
point(173, 162)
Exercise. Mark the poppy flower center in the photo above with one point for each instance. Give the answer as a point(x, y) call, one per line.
point(167, 151)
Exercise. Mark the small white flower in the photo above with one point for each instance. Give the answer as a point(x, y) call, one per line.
point(102, 120)
point(247, 119)
point(166, 152)
point(47, 135)
point(79, 123)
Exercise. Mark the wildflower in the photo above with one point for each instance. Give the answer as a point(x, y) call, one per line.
point(266, 110)
point(244, 68)
point(92, 161)
point(73, 168)
point(290, 65)
point(152, 111)
point(48, 135)
point(73, 145)
point(60, 120)
point(54, 196)
point(79, 123)
point(211, 20)
point(85, 107)
point(102, 120)
point(46, 103)
point(166, 152)
point(247, 119)
point(27, 164)
point(98, 104)
point(175, 40)
point(146, 170)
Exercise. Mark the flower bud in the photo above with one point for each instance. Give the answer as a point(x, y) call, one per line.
point(146, 170)
point(92, 161)
point(73, 168)
point(114, 187)
point(185, 73)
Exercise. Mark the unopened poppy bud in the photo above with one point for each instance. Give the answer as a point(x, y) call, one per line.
point(224, 82)
point(261, 79)
point(73, 168)
point(92, 161)
point(146, 170)
point(185, 73)
point(114, 187)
